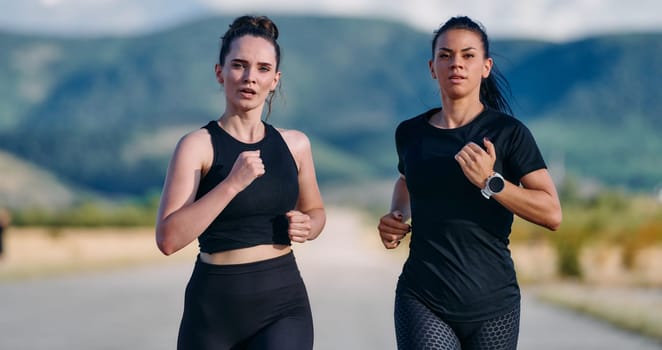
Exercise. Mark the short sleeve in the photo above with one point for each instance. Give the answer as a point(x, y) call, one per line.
point(524, 155)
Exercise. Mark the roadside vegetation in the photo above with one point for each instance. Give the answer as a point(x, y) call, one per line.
point(610, 218)
point(139, 212)
point(620, 224)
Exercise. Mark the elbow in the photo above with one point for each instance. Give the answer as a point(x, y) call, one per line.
point(165, 246)
point(166, 250)
point(553, 226)
point(555, 221)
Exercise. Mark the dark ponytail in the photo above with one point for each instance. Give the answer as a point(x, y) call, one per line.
point(494, 90)
point(258, 26)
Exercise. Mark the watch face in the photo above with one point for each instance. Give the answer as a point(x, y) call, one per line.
point(496, 184)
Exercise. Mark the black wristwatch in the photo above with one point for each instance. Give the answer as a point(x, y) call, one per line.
point(493, 185)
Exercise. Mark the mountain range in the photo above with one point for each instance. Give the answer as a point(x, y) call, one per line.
point(102, 115)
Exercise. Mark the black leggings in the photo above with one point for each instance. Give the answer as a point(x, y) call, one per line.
point(260, 305)
point(418, 328)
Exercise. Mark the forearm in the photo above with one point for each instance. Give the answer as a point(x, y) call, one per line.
point(317, 222)
point(537, 206)
point(400, 198)
point(176, 230)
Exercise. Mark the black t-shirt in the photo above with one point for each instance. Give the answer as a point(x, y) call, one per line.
point(459, 262)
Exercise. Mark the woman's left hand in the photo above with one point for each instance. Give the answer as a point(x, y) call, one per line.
point(299, 226)
point(477, 164)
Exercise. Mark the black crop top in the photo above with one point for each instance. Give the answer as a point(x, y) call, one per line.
point(255, 215)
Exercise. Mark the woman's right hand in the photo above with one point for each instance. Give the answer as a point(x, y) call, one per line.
point(247, 167)
point(392, 229)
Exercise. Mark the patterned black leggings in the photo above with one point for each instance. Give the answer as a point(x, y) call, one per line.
point(418, 328)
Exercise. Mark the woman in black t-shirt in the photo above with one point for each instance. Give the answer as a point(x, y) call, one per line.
point(465, 169)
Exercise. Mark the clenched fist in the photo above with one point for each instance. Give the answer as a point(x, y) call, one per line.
point(247, 167)
point(299, 226)
point(392, 229)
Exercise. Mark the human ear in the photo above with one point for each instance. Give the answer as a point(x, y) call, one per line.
point(432, 73)
point(487, 68)
point(276, 80)
point(218, 70)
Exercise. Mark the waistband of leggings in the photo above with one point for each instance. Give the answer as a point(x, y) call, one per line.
point(282, 261)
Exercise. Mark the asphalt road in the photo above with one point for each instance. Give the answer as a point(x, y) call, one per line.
point(350, 282)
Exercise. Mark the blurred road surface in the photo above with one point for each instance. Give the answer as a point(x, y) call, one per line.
point(350, 281)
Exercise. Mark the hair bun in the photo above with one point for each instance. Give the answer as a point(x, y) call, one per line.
point(255, 23)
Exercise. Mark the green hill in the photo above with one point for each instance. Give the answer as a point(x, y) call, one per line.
point(25, 185)
point(105, 113)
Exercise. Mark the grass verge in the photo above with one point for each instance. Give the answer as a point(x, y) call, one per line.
point(635, 309)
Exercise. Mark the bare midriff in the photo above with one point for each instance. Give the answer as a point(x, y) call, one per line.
point(246, 255)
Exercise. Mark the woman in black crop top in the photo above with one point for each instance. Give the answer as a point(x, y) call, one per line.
point(245, 191)
point(465, 169)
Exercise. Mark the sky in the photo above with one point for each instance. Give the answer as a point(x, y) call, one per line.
point(554, 20)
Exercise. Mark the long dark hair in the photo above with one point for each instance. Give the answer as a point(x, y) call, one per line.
point(259, 26)
point(495, 91)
